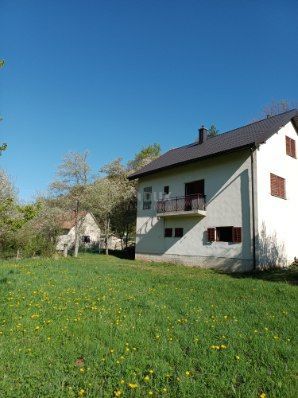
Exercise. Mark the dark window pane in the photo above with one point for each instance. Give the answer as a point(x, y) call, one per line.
point(224, 234)
point(178, 232)
point(168, 232)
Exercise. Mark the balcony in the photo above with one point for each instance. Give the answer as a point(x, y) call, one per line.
point(191, 205)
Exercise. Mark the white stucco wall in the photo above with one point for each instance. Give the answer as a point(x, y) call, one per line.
point(227, 189)
point(87, 227)
point(277, 218)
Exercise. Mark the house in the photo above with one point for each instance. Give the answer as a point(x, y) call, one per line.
point(89, 231)
point(228, 202)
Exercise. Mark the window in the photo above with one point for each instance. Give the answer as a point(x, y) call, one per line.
point(178, 232)
point(166, 190)
point(86, 239)
point(168, 232)
point(147, 198)
point(290, 147)
point(278, 186)
point(225, 234)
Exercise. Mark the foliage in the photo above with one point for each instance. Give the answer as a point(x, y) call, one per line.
point(70, 187)
point(145, 156)
point(212, 132)
point(97, 326)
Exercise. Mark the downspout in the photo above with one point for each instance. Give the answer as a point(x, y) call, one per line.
point(252, 149)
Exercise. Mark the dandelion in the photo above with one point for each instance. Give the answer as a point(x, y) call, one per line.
point(151, 371)
point(82, 370)
point(117, 393)
point(122, 381)
point(132, 385)
point(81, 392)
point(147, 378)
point(263, 395)
point(237, 357)
point(187, 373)
point(150, 392)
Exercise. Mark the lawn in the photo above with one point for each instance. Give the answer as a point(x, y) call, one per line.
point(101, 326)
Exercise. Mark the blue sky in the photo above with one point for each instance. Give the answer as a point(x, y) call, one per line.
point(114, 76)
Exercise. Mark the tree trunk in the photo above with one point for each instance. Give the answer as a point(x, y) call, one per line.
point(76, 248)
point(65, 251)
point(107, 235)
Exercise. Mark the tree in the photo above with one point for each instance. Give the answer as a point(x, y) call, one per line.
point(70, 187)
point(276, 107)
point(2, 146)
point(109, 198)
point(212, 132)
point(144, 157)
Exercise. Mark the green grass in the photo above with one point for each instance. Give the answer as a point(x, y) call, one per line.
point(168, 331)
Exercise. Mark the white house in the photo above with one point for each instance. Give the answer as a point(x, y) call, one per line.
point(89, 231)
point(228, 202)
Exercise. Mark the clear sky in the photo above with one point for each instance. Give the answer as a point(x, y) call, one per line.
point(113, 76)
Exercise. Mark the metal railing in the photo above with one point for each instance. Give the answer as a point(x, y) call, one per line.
point(181, 203)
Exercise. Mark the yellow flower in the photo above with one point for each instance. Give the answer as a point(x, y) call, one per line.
point(81, 392)
point(122, 381)
point(151, 371)
point(150, 392)
point(237, 357)
point(187, 373)
point(132, 385)
point(263, 395)
point(117, 393)
point(82, 370)
point(147, 378)
point(223, 346)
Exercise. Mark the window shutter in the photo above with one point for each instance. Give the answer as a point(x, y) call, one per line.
point(211, 234)
point(237, 234)
point(293, 148)
point(288, 146)
point(278, 186)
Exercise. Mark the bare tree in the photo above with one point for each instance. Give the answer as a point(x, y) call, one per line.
point(70, 187)
point(277, 107)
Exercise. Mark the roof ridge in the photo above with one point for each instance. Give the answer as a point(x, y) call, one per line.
point(237, 128)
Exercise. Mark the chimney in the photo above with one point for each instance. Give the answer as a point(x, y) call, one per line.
point(202, 135)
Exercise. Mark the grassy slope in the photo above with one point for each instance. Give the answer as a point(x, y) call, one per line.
point(130, 320)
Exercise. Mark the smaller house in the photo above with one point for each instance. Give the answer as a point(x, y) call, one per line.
point(89, 231)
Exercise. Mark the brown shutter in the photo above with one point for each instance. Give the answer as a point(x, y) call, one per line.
point(237, 234)
point(293, 148)
point(278, 186)
point(274, 184)
point(281, 187)
point(211, 234)
point(288, 145)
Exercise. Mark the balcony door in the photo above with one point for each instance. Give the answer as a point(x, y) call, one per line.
point(192, 191)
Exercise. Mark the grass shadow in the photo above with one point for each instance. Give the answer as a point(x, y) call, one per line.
point(288, 275)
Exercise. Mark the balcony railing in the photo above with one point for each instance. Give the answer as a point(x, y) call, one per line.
point(181, 204)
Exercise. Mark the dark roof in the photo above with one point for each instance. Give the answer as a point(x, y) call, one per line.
point(243, 137)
